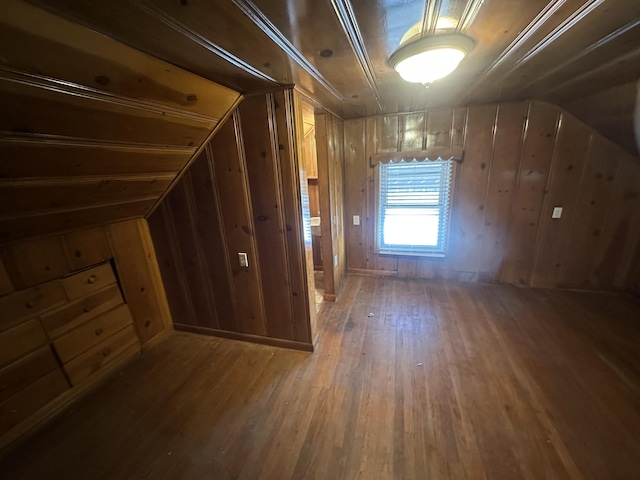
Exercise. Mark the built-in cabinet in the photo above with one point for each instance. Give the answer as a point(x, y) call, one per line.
point(68, 319)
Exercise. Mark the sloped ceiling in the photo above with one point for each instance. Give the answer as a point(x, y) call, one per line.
point(583, 55)
point(91, 131)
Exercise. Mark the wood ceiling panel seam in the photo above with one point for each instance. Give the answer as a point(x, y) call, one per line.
point(81, 91)
point(430, 17)
point(201, 40)
point(471, 9)
point(522, 37)
point(263, 23)
point(594, 46)
point(65, 180)
point(54, 211)
point(589, 73)
point(346, 16)
point(79, 142)
point(570, 22)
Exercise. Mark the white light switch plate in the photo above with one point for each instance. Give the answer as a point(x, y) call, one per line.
point(557, 212)
point(244, 261)
point(356, 219)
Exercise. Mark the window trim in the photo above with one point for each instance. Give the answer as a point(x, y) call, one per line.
point(408, 252)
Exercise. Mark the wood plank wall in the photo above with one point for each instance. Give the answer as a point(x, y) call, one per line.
point(92, 131)
point(242, 194)
point(521, 160)
point(127, 244)
point(331, 182)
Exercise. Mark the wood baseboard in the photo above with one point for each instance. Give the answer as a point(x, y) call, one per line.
point(246, 337)
point(373, 273)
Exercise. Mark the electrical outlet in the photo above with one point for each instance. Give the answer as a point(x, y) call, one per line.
point(356, 219)
point(244, 261)
point(557, 212)
point(335, 260)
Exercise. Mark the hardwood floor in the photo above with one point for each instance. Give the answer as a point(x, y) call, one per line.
point(411, 380)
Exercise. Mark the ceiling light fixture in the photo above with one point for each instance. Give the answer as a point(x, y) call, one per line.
point(430, 58)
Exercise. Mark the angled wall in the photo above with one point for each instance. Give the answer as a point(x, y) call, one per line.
point(242, 195)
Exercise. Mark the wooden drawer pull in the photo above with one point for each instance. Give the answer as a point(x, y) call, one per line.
point(106, 352)
point(87, 309)
point(92, 279)
point(30, 304)
point(99, 331)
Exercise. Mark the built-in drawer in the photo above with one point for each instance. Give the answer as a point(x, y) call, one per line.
point(88, 281)
point(19, 374)
point(91, 333)
point(64, 319)
point(20, 340)
point(112, 351)
point(19, 306)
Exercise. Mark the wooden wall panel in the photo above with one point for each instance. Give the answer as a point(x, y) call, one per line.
point(467, 219)
point(86, 247)
point(570, 152)
point(5, 282)
point(263, 170)
point(535, 162)
point(227, 150)
point(501, 188)
point(291, 181)
point(519, 162)
point(593, 206)
point(36, 261)
point(243, 194)
point(78, 104)
point(355, 165)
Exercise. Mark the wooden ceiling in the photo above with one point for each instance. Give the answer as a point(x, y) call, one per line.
point(92, 131)
point(583, 55)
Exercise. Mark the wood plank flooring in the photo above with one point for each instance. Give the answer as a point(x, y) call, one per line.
point(410, 380)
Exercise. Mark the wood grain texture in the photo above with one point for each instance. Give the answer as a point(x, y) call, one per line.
point(36, 261)
point(444, 381)
point(94, 123)
point(519, 162)
point(243, 194)
point(139, 276)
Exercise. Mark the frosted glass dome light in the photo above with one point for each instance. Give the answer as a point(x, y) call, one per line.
point(430, 58)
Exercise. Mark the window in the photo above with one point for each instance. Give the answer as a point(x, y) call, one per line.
point(413, 207)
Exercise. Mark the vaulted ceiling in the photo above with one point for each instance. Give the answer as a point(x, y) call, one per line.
point(583, 55)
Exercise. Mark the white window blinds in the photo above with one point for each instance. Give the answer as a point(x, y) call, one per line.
point(414, 200)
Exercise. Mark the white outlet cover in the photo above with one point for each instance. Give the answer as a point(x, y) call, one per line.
point(244, 261)
point(557, 212)
point(356, 219)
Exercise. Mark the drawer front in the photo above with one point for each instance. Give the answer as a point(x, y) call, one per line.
point(18, 375)
point(30, 399)
point(20, 340)
point(64, 319)
point(91, 333)
point(113, 350)
point(89, 281)
point(28, 303)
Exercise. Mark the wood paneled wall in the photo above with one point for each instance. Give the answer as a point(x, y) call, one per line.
point(331, 182)
point(128, 244)
point(242, 194)
point(520, 161)
point(92, 131)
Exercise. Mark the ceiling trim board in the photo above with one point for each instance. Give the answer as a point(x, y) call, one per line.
point(76, 90)
point(430, 17)
point(589, 73)
point(84, 179)
point(594, 46)
point(263, 23)
point(564, 27)
point(201, 40)
point(522, 37)
point(346, 15)
point(469, 14)
point(65, 141)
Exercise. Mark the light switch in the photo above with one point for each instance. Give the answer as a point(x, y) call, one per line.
point(335, 260)
point(557, 212)
point(244, 261)
point(356, 219)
